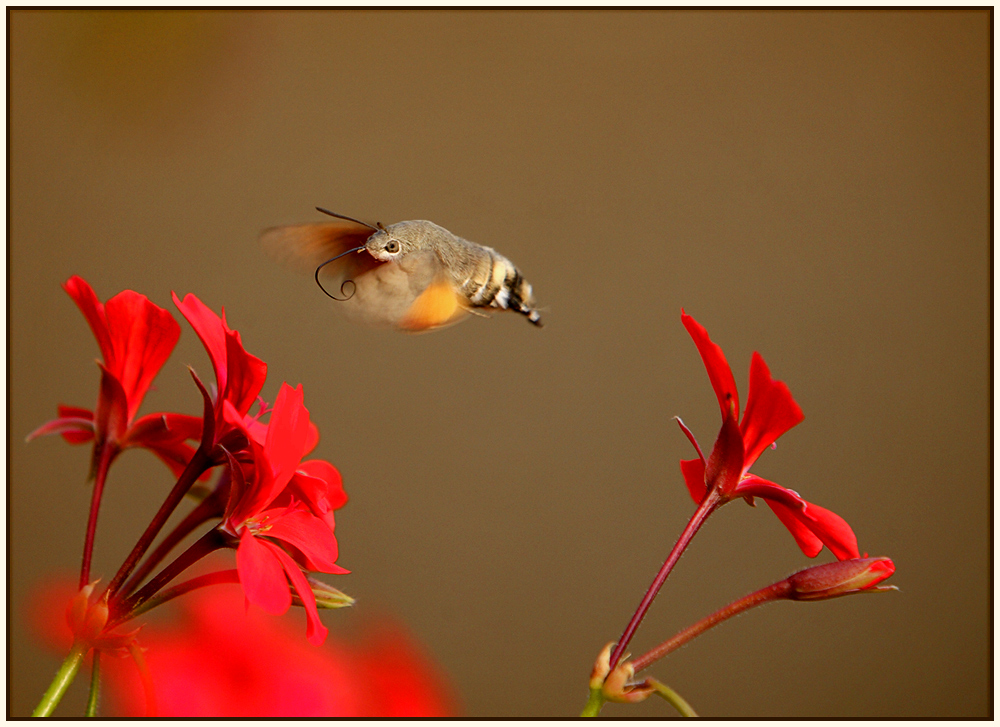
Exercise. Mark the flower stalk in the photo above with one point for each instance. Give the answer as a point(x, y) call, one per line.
point(594, 704)
point(95, 687)
point(764, 595)
point(706, 508)
point(831, 580)
point(100, 477)
point(673, 698)
point(63, 678)
point(167, 594)
point(205, 510)
point(200, 461)
point(209, 542)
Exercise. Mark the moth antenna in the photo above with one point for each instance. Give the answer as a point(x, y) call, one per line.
point(343, 285)
point(349, 219)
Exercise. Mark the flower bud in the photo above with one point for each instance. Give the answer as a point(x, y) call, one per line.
point(601, 667)
point(87, 620)
point(617, 688)
point(326, 595)
point(841, 578)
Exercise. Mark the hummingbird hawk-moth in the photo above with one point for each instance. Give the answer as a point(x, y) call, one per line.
point(413, 275)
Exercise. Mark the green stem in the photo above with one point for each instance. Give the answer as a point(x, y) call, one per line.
point(95, 686)
point(594, 703)
point(64, 677)
point(675, 699)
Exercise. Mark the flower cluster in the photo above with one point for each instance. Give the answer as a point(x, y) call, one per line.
point(770, 412)
point(275, 508)
point(212, 657)
point(720, 478)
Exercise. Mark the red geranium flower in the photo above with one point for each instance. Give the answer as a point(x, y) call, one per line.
point(770, 412)
point(136, 337)
point(284, 514)
point(239, 376)
point(217, 659)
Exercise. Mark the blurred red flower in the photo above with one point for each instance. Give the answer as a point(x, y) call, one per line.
point(223, 659)
point(136, 337)
point(770, 412)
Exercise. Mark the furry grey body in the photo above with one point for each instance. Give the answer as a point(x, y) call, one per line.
point(484, 277)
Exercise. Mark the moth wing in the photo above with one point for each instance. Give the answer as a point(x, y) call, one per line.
point(304, 248)
point(414, 293)
point(437, 306)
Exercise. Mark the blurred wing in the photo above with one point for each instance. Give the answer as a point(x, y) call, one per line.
point(413, 294)
point(437, 306)
point(305, 247)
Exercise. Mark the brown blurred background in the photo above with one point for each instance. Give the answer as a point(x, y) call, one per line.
point(813, 185)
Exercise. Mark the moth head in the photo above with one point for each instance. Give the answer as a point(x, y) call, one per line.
point(388, 244)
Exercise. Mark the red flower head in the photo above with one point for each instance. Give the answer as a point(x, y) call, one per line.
point(284, 514)
point(239, 376)
point(216, 659)
point(136, 338)
point(220, 660)
point(770, 412)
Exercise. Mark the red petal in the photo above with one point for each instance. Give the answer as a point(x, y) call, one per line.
point(255, 495)
point(246, 374)
point(312, 439)
point(315, 630)
point(755, 486)
point(73, 430)
point(801, 517)
point(143, 335)
point(807, 541)
point(74, 412)
point(715, 362)
point(166, 435)
point(210, 330)
point(771, 411)
point(306, 532)
point(694, 477)
point(261, 575)
point(725, 465)
point(287, 436)
point(111, 416)
point(237, 488)
point(330, 486)
point(833, 530)
point(93, 310)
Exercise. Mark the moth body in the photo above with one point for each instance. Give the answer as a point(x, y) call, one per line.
point(413, 275)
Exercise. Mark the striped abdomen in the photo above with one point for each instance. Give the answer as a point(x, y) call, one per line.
point(496, 283)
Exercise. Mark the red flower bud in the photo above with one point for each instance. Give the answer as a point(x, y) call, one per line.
point(841, 578)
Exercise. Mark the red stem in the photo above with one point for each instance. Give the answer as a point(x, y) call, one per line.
point(200, 461)
point(206, 579)
point(203, 512)
point(769, 593)
point(210, 541)
point(707, 506)
point(100, 476)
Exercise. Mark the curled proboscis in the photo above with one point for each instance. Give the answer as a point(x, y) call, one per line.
point(343, 286)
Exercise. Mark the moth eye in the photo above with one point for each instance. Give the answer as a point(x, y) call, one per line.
point(392, 246)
